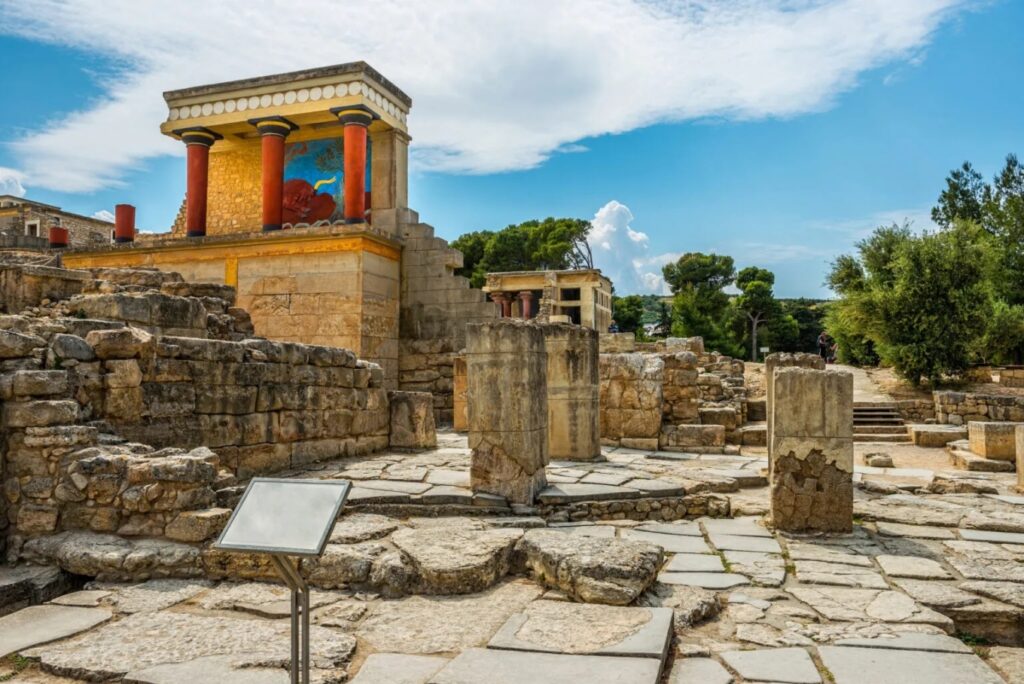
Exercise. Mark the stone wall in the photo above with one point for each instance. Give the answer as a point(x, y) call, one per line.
point(24, 285)
point(572, 392)
point(631, 399)
point(436, 306)
point(1011, 376)
point(233, 193)
point(916, 410)
point(959, 408)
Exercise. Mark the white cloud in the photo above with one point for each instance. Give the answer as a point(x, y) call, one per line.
point(11, 182)
point(104, 215)
point(496, 85)
point(621, 252)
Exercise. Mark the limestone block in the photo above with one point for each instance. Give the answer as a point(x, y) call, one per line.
point(15, 345)
point(120, 343)
point(691, 435)
point(772, 362)
point(39, 413)
point(197, 526)
point(631, 395)
point(726, 416)
point(993, 440)
point(615, 343)
point(507, 400)
point(122, 373)
point(573, 393)
point(71, 347)
point(412, 420)
point(690, 344)
point(39, 383)
point(811, 447)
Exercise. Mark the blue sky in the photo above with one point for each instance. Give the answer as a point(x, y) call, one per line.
point(785, 168)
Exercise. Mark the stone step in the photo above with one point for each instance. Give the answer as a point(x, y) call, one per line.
point(881, 429)
point(970, 461)
point(891, 439)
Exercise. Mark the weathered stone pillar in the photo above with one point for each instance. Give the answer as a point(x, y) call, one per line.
point(773, 362)
point(574, 409)
point(508, 414)
point(811, 443)
point(412, 420)
point(460, 417)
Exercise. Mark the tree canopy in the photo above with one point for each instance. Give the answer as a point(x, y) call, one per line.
point(551, 244)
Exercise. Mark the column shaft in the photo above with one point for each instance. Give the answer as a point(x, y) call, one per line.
point(273, 180)
point(355, 172)
point(198, 176)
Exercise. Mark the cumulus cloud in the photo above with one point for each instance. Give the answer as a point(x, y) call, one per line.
point(11, 182)
point(497, 85)
point(621, 252)
point(104, 215)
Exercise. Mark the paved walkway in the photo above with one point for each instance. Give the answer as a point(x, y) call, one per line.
point(864, 388)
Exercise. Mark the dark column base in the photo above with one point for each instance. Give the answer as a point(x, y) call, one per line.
point(270, 227)
point(355, 220)
point(124, 239)
point(195, 233)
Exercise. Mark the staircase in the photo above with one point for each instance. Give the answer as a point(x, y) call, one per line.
point(878, 422)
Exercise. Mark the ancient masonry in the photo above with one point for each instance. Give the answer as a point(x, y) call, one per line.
point(132, 401)
point(508, 412)
point(811, 447)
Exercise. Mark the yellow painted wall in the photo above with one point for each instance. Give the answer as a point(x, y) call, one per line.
point(314, 288)
point(235, 191)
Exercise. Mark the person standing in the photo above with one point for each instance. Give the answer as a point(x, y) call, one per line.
point(823, 346)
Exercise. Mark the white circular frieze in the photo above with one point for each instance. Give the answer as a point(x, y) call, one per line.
point(315, 93)
point(278, 99)
point(207, 109)
point(230, 106)
point(173, 114)
point(328, 92)
point(218, 107)
point(266, 100)
point(289, 97)
point(303, 95)
point(196, 110)
point(254, 102)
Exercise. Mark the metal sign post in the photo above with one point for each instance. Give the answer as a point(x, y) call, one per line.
point(286, 518)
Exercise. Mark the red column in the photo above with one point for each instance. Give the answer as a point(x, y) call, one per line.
point(502, 301)
point(58, 235)
point(356, 121)
point(526, 301)
point(506, 307)
point(198, 142)
point(124, 223)
point(273, 130)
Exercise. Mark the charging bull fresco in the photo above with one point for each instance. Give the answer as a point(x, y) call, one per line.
point(314, 180)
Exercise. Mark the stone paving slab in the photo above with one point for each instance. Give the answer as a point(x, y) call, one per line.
point(670, 542)
point(1008, 498)
point(733, 542)
point(783, 665)
point(699, 671)
point(656, 487)
point(403, 486)
point(885, 666)
point(567, 493)
point(911, 641)
point(743, 527)
point(82, 599)
point(493, 666)
point(613, 479)
point(703, 580)
point(842, 604)
point(454, 478)
point(587, 629)
point(398, 668)
point(37, 625)
point(991, 536)
point(694, 562)
point(584, 530)
point(686, 529)
point(888, 529)
point(210, 670)
point(835, 574)
point(768, 569)
point(912, 567)
point(827, 554)
point(152, 595)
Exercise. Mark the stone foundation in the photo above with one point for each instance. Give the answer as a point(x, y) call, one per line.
point(573, 394)
point(631, 399)
point(959, 408)
point(811, 447)
point(412, 420)
point(773, 362)
point(993, 440)
point(507, 399)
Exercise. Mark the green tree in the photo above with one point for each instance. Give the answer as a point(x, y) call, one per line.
point(551, 244)
point(921, 302)
point(756, 300)
point(700, 306)
point(963, 198)
point(628, 312)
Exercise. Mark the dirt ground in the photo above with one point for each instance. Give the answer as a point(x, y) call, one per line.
point(889, 382)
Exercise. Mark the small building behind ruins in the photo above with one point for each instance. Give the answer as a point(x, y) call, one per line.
point(584, 296)
point(24, 224)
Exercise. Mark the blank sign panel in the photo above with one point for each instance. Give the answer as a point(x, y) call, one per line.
point(293, 517)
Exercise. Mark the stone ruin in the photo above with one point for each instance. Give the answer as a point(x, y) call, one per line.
point(136, 404)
